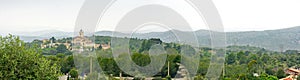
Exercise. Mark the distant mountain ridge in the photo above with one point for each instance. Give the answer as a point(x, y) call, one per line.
point(281, 39)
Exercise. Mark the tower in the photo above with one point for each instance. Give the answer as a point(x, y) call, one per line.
point(81, 33)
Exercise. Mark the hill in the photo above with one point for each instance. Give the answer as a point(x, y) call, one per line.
point(281, 39)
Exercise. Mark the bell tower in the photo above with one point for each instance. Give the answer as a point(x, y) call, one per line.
point(81, 33)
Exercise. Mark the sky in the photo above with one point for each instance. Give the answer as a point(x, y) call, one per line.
point(237, 15)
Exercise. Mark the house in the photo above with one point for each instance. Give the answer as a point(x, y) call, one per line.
point(293, 74)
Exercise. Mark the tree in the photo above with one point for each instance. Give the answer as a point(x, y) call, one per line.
point(242, 58)
point(141, 59)
point(67, 64)
point(74, 73)
point(60, 55)
point(146, 44)
point(252, 57)
point(156, 40)
point(173, 59)
point(291, 51)
point(49, 51)
point(267, 77)
point(20, 62)
point(109, 66)
point(280, 73)
point(252, 66)
point(61, 48)
point(231, 58)
point(265, 58)
point(239, 55)
point(143, 47)
point(100, 47)
point(36, 42)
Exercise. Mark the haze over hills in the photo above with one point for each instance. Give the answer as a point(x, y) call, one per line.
point(281, 39)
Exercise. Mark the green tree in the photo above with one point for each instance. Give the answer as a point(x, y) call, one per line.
point(74, 73)
point(239, 55)
point(267, 77)
point(100, 47)
point(173, 59)
point(280, 73)
point(49, 51)
point(141, 59)
point(252, 66)
point(144, 46)
point(36, 42)
point(231, 58)
point(109, 66)
point(20, 62)
point(242, 58)
point(61, 48)
point(60, 55)
point(67, 64)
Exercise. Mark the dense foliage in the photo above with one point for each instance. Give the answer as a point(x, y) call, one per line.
point(18, 61)
point(241, 62)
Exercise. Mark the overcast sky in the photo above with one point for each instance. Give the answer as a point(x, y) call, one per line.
point(237, 15)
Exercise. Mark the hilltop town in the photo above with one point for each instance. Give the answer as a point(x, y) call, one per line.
point(68, 43)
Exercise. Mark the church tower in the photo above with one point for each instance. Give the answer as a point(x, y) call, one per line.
point(81, 33)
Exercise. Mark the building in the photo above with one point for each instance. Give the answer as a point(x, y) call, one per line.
point(105, 46)
point(293, 74)
point(49, 44)
point(81, 41)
